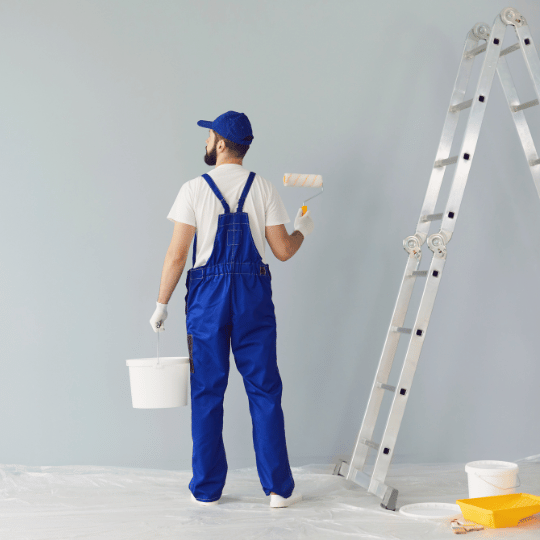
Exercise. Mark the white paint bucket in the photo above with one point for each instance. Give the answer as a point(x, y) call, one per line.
point(488, 478)
point(158, 383)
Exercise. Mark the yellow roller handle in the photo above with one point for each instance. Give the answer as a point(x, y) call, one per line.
point(304, 209)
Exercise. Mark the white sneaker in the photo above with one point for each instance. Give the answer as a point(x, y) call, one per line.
point(277, 501)
point(203, 503)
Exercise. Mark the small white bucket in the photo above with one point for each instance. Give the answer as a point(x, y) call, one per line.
point(158, 383)
point(488, 478)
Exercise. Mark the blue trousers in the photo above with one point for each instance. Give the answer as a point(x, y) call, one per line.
point(229, 305)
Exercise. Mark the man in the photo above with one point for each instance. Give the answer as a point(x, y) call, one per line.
point(229, 304)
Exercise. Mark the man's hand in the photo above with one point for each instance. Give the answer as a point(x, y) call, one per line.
point(156, 322)
point(303, 223)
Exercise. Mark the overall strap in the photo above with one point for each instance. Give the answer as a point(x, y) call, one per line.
point(250, 179)
point(194, 250)
point(218, 194)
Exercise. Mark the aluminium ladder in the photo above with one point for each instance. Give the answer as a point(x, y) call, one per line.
point(494, 60)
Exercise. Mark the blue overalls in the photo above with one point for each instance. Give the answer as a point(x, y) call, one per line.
point(229, 303)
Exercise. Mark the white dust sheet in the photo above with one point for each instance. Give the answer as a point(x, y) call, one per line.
point(115, 503)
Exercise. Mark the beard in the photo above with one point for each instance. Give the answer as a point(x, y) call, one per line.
point(210, 158)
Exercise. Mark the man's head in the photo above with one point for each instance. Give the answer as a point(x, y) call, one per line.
point(229, 138)
point(222, 149)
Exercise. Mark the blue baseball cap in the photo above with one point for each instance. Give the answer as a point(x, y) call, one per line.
point(232, 125)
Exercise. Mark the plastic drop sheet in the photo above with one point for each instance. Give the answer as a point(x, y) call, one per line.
point(115, 503)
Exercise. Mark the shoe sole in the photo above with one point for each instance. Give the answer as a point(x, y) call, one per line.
point(203, 503)
point(277, 501)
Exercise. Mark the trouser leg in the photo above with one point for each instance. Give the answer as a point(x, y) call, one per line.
point(210, 354)
point(253, 341)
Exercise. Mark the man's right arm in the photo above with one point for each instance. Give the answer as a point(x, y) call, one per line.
point(283, 244)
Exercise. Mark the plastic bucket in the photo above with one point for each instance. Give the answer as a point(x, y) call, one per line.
point(158, 383)
point(488, 478)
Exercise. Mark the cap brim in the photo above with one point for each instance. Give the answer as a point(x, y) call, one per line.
point(205, 124)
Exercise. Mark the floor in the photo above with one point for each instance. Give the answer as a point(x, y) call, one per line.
point(113, 503)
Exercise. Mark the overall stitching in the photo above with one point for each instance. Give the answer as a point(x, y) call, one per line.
point(208, 270)
point(234, 238)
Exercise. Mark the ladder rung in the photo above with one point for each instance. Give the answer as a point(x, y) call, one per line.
point(420, 273)
point(510, 49)
point(401, 330)
point(386, 387)
point(517, 108)
point(473, 52)
point(482, 48)
point(444, 162)
point(431, 217)
point(461, 106)
point(534, 162)
point(371, 444)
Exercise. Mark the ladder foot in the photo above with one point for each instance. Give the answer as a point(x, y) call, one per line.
point(390, 504)
point(337, 468)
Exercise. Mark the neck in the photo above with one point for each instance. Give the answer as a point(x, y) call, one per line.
point(223, 160)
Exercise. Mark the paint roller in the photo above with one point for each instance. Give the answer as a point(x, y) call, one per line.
point(303, 180)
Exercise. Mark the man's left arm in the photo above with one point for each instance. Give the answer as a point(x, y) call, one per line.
point(175, 260)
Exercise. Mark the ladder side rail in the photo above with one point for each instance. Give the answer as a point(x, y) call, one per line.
point(520, 121)
point(401, 395)
point(529, 54)
point(472, 130)
point(449, 128)
point(360, 450)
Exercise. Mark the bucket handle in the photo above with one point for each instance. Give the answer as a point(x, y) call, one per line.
point(513, 487)
point(158, 365)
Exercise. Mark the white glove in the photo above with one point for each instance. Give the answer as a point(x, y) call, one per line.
point(158, 317)
point(303, 223)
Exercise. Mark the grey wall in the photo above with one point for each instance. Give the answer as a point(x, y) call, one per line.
point(99, 104)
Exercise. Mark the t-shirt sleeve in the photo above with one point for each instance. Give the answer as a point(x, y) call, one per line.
point(183, 210)
point(276, 214)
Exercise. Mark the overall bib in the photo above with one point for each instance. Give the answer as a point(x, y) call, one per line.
point(229, 304)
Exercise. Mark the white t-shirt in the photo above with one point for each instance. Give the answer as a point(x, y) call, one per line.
point(197, 205)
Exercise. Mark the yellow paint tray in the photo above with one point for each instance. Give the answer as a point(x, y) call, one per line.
point(500, 510)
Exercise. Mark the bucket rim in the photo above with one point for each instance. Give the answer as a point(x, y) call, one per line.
point(490, 466)
point(166, 360)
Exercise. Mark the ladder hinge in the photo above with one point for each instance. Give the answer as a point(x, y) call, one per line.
point(413, 245)
point(437, 244)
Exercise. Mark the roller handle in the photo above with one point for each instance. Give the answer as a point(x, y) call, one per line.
point(304, 210)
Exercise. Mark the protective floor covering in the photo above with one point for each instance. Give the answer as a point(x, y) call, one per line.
point(114, 503)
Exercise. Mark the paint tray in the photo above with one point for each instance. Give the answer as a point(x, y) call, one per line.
point(500, 510)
